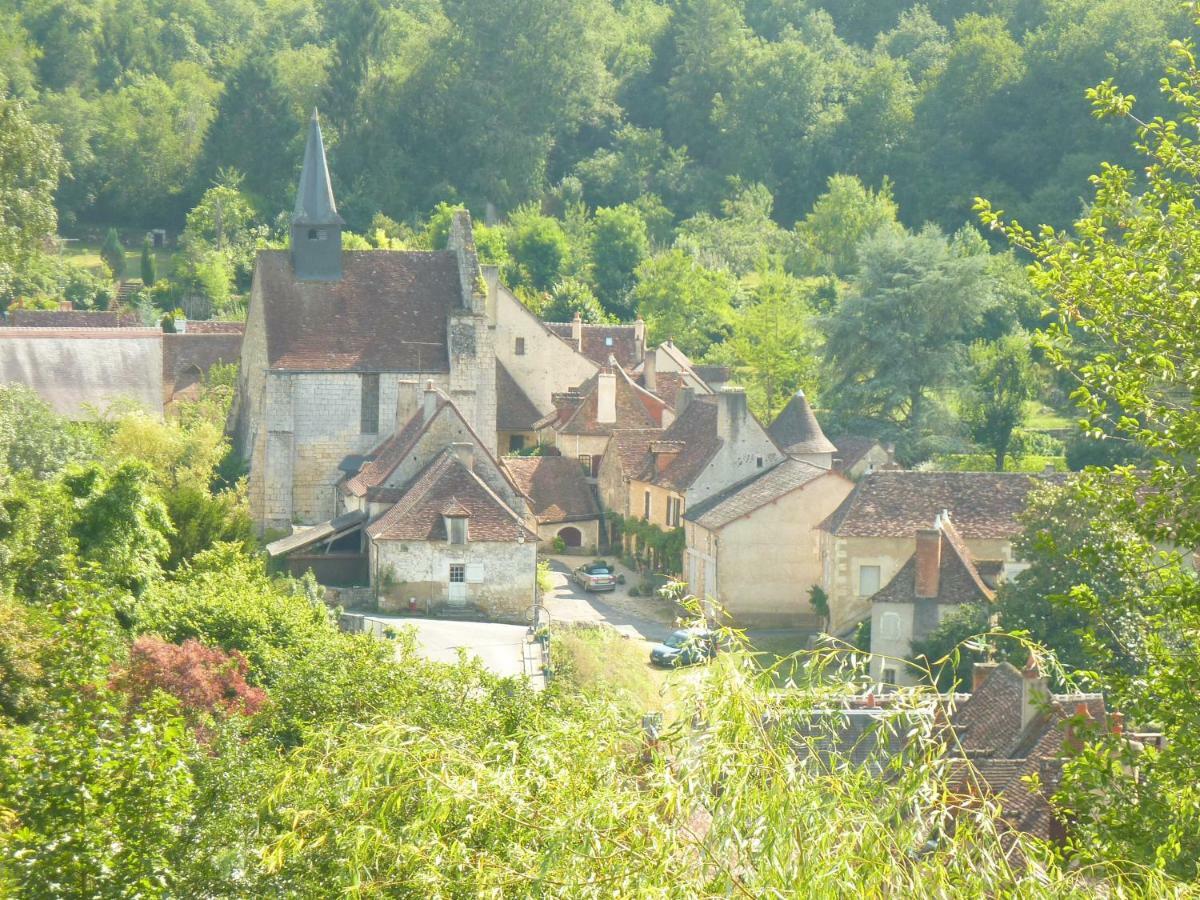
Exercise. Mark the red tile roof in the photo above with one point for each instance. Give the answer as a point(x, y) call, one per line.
point(850, 449)
point(696, 429)
point(447, 483)
point(602, 341)
point(631, 446)
point(188, 357)
point(959, 580)
point(384, 459)
point(387, 313)
point(897, 503)
point(65, 318)
point(556, 487)
point(636, 408)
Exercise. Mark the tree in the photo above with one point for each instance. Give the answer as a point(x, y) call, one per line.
point(538, 248)
point(30, 165)
point(774, 339)
point(570, 296)
point(841, 218)
point(619, 244)
point(683, 301)
point(149, 263)
point(113, 254)
point(900, 335)
point(1004, 379)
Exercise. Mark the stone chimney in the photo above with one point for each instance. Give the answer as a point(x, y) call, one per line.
point(890, 449)
point(1035, 693)
point(981, 672)
point(685, 398)
point(649, 372)
point(639, 335)
point(731, 412)
point(66, 306)
point(577, 331)
point(491, 280)
point(465, 453)
point(606, 397)
point(430, 400)
point(664, 453)
point(408, 401)
point(929, 560)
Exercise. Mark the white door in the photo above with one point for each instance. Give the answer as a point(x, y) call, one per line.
point(458, 585)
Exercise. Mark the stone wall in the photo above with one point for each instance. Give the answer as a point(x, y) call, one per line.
point(611, 484)
point(421, 570)
point(745, 445)
point(589, 531)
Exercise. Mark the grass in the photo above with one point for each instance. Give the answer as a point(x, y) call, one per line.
point(1043, 418)
point(597, 658)
point(86, 255)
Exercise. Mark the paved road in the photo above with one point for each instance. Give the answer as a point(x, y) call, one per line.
point(567, 603)
point(499, 647)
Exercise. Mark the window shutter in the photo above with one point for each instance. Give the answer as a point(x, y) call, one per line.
point(474, 573)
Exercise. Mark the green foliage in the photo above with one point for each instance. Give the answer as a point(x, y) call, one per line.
point(683, 302)
point(30, 166)
point(570, 296)
point(840, 219)
point(619, 244)
point(538, 247)
point(149, 263)
point(34, 439)
point(1005, 380)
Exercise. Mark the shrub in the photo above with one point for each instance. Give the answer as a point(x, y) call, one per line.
point(203, 679)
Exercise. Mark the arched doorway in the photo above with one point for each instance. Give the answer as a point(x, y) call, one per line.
point(571, 536)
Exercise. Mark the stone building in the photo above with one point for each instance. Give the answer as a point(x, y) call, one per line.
point(872, 534)
point(939, 577)
point(329, 337)
point(713, 443)
point(754, 548)
point(561, 499)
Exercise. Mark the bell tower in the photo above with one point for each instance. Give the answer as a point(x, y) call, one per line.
point(316, 225)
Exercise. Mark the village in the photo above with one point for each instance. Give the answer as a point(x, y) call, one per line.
point(419, 441)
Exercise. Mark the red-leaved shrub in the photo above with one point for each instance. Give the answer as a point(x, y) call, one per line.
point(204, 679)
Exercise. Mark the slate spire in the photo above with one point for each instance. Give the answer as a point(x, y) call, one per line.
point(316, 225)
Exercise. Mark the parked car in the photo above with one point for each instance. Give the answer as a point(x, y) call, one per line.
point(596, 576)
point(685, 647)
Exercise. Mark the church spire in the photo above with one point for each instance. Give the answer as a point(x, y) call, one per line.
point(316, 225)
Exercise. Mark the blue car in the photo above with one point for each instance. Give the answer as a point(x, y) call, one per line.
point(685, 647)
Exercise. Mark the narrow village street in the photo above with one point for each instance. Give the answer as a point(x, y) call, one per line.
point(647, 618)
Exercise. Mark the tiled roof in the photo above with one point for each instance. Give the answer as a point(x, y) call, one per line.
point(742, 499)
point(696, 429)
point(602, 341)
point(636, 408)
point(897, 503)
point(667, 386)
point(211, 327)
point(711, 374)
point(383, 460)
point(387, 313)
point(64, 318)
point(447, 483)
point(556, 487)
point(514, 410)
point(796, 429)
point(632, 445)
point(959, 580)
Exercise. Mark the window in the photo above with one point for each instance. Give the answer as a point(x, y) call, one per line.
point(759, 461)
point(516, 442)
point(312, 234)
point(456, 526)
point(585, 460)
point(647, 511)
point(519, 349)
point(458, 573)
point(868, 580)
point(369, 411)
point(889, 676)
point(889, 626)
point(608, 342)
point(674, 506)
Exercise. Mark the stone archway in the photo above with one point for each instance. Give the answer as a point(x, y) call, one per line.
point(571, 536)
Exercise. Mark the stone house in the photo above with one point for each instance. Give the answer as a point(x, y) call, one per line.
point(330, 335)
point(939, 577)
point(585, 419)
point(713, 443)
point(858, 456)
point(451, 543)
point(754, 548)
point(626, 344)
point(666, 370)
point(872, 534)
point(623, 461)
point(561, 499)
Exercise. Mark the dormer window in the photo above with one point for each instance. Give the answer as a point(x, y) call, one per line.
point(456, 526)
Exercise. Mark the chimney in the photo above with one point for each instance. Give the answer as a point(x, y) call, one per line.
point(980, 673)
point(890, 449)
point(731, 412)
point(431, 400)
point(465, 453)
point(929, 560)
point(491, 278)
point(577, 331)
point(606, 397)
point(639, 335)
point(1117, 723)
point(684, 399)
point(650, 372)
point(408, 402)
point(1078, 727)
point(664, 453)
point(66, 306)
point(1034, 692)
